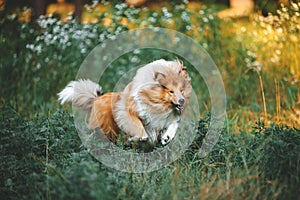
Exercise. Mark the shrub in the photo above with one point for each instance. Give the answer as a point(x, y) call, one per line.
point(279, 158)
point(29, 148)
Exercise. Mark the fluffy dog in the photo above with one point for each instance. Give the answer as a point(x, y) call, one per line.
point(149, 108)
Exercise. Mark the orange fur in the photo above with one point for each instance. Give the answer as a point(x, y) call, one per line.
point(102, 115)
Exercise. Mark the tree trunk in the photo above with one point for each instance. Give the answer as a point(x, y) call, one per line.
point(39, 8)
point(78, 10)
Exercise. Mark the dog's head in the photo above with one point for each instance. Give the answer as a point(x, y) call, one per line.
point(171, 89)
point(176, 87)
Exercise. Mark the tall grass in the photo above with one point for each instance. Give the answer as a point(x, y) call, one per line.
point(43, 158)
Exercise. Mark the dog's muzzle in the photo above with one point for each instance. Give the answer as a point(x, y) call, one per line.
point(181, 101)
point(179, 106)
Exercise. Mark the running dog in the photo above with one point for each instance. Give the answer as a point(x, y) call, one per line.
point(148, 109)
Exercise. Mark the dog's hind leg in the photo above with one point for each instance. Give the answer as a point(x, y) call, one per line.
point(133, 126)
point(128, 120)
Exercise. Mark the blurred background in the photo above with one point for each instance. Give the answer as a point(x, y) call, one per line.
point(256, 42)
point(34, 8)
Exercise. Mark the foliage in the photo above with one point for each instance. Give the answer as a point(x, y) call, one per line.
point(43, 158)
point(47, 51)
point(280, 157)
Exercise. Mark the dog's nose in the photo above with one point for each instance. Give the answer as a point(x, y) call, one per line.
point(181, 101)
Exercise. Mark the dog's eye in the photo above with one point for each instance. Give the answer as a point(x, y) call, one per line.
point(163, 86)
point(171, 91)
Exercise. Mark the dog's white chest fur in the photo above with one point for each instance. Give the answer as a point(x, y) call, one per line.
point(159, 121)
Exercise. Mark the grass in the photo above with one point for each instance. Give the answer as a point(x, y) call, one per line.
point(256, 157)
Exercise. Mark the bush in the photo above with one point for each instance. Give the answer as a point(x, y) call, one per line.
point(44, 158)
point(280, 158)
point(28, 148)
point(48, 53)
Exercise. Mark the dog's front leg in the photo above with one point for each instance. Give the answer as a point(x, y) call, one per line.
point(170, 133)
point(152, 133)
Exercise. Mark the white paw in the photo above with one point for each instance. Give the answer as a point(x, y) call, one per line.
point(165, 140)
point(140, 139)
point(144, 139)
point(169, 134)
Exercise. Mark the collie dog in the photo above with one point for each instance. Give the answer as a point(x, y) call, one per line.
point(148, 109)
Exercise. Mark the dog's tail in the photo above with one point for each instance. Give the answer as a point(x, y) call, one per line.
point(81, 93)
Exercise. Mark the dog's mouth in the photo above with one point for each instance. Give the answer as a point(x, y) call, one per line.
point(178, 107)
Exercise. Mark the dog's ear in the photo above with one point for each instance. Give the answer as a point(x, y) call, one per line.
point(183, 71)
point(159, 77)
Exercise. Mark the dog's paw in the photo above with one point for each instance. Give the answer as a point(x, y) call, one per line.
point(138, 139)
point(144, 139)
point(169, 134)
point(165, 140)
point(133, 139)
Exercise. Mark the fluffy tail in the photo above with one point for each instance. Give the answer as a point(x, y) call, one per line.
point(81, 93)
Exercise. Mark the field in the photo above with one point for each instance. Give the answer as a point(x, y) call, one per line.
point(256, 156)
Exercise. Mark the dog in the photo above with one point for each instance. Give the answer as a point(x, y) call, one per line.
point(148, 109)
